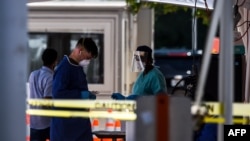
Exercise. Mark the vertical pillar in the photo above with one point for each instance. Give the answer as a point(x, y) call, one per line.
point(226, 61)
point(226, 65)
point(145, 22)
point(13, 71)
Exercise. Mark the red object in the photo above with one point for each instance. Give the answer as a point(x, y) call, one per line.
point(216, 46)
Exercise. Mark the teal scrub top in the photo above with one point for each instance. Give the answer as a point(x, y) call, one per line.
point(150, 84)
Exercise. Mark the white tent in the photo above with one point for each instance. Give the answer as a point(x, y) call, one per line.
point(191, 3)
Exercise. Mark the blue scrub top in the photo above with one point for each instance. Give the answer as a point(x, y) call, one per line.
point(69, 80)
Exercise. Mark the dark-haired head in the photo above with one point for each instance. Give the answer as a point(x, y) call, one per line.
point(89, 45)
point(49, 57)
point(146, 49)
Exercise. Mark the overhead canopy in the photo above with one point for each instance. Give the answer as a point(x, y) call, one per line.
point(192, 3)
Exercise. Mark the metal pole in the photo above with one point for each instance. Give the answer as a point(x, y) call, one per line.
point(207, 53)
point(226, 65)
point(13, 72)
point(194, 31)
point(227, 59)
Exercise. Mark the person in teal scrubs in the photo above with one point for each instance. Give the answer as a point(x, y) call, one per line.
point(150, 80)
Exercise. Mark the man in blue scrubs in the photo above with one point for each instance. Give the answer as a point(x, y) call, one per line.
point(150, 80)
point(70, 83)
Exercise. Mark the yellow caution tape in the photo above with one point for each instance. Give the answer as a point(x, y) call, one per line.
point(238, 109)
point(91, 114)
point(221, 120)
point(92, 104)
point(241, 109)
point(214, 108)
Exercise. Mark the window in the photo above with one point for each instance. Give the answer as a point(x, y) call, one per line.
point(64, 43)
point(61, 27)
point(37, 44)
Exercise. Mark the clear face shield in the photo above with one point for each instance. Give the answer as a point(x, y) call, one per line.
point(138, 61)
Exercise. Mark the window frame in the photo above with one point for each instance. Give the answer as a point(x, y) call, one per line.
point(87, 23)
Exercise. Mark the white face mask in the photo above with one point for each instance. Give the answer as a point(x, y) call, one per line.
point(84, 63)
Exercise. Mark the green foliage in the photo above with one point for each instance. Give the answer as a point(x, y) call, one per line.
point(162, 8)
point(134, 6)
point(205, 15)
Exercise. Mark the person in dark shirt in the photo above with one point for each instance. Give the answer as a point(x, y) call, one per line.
point(70, 83)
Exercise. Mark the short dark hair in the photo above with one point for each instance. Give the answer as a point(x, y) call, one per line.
point(49, 56)
point(89, 45)
point(145, 49)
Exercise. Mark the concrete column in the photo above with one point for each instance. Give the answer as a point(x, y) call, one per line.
point(145, 21)
point(13, 71)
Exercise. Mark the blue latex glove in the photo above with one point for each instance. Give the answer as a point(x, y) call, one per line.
point(118, 96)
point(87, 95)
point(132, 97)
